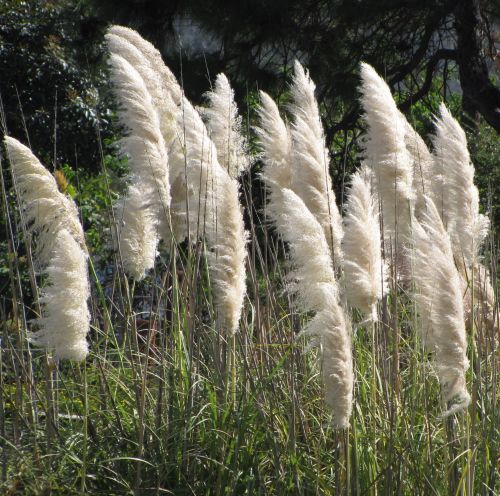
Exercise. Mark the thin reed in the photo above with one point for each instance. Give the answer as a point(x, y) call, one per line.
point(197, 379)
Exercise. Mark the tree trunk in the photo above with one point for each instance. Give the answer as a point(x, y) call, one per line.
point(479, 93)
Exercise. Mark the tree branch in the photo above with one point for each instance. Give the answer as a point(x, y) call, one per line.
point(432, 63)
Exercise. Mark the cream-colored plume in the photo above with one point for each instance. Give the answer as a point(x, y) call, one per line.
point(275, 140)
point(439, 300)
point(153, 57)
point(456, 195)
point(65, 319)
point(207, 203)
point(313, 282)
point(46, 210)
point(146, 150)
point(138, 237)
point(313, 278)
point(485, 307)
point(458, 200)
point(386, 154)
point(364, 269)
point(422, 165)
point(224, 126)
point(160, 95)
point(60, 251)
point(311, 176)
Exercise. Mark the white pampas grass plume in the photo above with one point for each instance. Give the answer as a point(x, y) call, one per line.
point(137, 234)
point(311, 177)
point(488, 305)
point(386, 153)
point(153, 57)
point(485, 304)
point(228, 256)
point(145, 145)
point(224, 125)
point(313, 276)
point(192, 164)
point(146, 150)
point(46, 210)
point(456, 195)
point(364, 270)
point(313, 281)
point(61, 252)
point(65, 319)
point(160, 95)
point(275, 141)
point(422, 165)
point(207, 201)
point(439, 300)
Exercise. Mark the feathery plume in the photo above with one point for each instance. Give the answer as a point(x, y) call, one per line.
point(60, 251)
point(227, 257)
point(313, 282)
point(486, 305)
point(386, 153)
point(364, 269)
point(439, 300)
point(457, 196)
point(145, 147)
point(160, 96)
point(65, 319)
point(275, 140)
point(194, 189)
point(422, 165)
point(137, 233)
point(46, 210)
point(207, 203)
point(153, 56)
point(312, 181)
point(224, 125)
point(313, 278)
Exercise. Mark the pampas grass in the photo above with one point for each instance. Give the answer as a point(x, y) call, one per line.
point(153, 58)
point(488, 304)
point(386, 153)
point(146, 150)
point(224, 126)
point(138, 236)
point(65, 319)
point(439, 300)
point(364, 270)
point(313, 278)
point(422, 165)
point(311, 177)
point(479, 300)
point(456, 195)
point(45, 209)
point(170, 390)
point(313, 282)
point(61, 254)
point(207, 205)
point(458, 200)
point(161, 97)
point(275, 140)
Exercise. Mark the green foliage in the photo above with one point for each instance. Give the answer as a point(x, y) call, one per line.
point(53, 78)
point(94, 194)
point(484, 146)
point(181, 415)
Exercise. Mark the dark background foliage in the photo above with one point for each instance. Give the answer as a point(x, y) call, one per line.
point(52, 82)
point(54, 86)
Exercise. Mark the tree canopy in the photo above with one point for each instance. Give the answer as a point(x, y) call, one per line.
point(52, 84)
point(410, 41)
